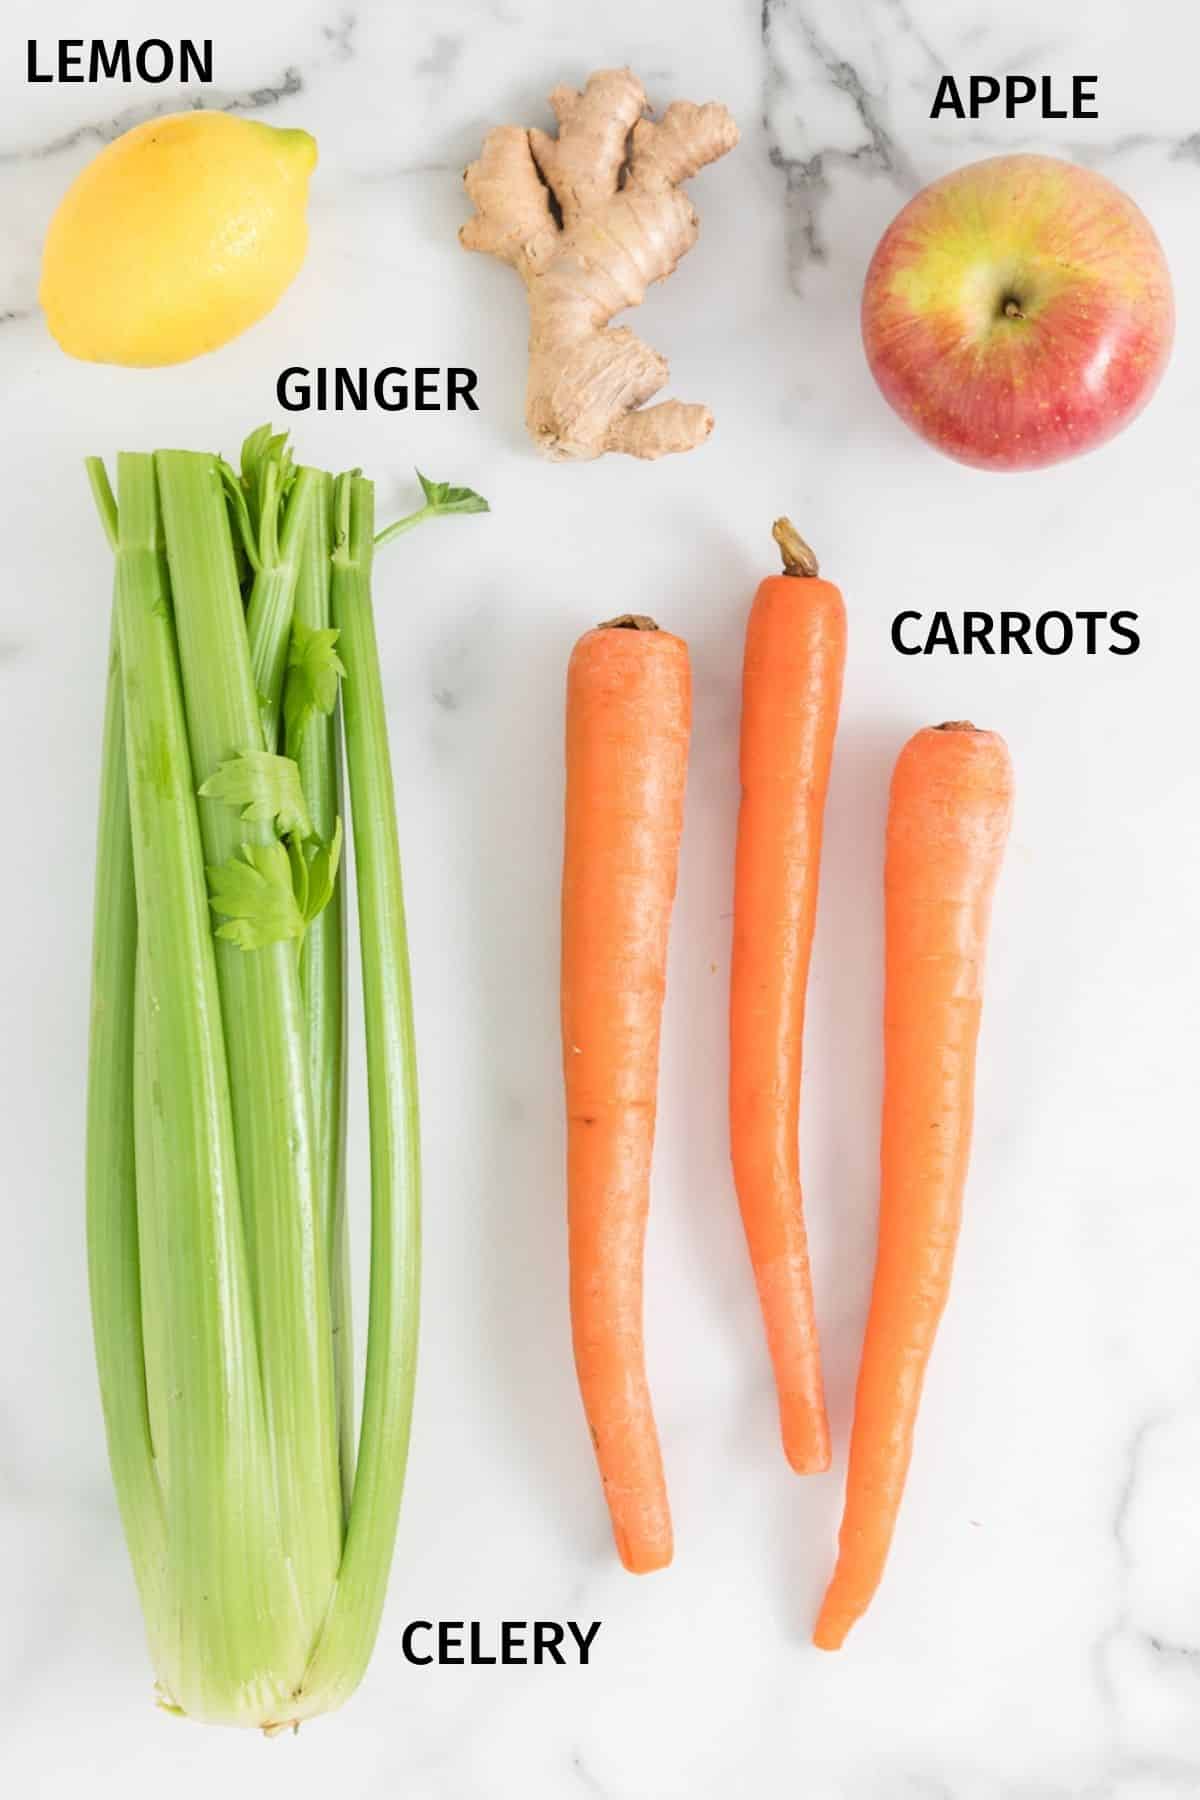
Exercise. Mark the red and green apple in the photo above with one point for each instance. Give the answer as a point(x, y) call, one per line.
point(1018, 311)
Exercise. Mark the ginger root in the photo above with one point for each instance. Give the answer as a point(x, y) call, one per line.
point(589, 219)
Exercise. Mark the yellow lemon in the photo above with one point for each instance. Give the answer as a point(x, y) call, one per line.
point(176, 237)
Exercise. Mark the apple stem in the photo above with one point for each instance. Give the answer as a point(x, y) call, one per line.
point(1012, 310)
point(798, 559)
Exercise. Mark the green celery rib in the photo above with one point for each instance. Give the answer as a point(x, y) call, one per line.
point(266, 1046)
point(269, 612)
point(105, 499)
point(112, 1225)
point(217, 1626)
point(323, 981)
point(153, 1158)
point(349, 1635)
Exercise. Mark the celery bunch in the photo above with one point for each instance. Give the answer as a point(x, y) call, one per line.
point(260, 1521)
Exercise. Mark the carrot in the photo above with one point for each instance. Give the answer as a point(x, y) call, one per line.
point(791, 688)
point(628, 719)
point(948, 819)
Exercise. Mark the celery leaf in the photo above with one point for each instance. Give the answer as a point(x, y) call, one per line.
point(254, 895)
point(322, 874)
point(440, 497)
point(314, 872)
point(266, 787)
point(314, 669)
point(235, 494)
point(267, 476)
point(300, 883)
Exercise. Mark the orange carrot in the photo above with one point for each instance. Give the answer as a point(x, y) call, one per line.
point(791, 689)
point(948, 820)
point(628, 719)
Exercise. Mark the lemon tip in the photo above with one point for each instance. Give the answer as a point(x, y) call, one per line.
point(301, 144)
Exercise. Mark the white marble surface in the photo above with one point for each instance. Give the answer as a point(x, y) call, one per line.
point(1038, 1636)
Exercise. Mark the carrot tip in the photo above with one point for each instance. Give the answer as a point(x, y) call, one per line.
point(806, 1440)
point(811, 1459)
point(644, 1551)
point(830, 1634)
point(645, 1561)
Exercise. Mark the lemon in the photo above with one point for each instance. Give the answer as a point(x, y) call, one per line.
point(175, 238)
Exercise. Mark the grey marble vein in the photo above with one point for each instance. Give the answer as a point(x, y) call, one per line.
point(1185, 1655)
point(906, 26)
point(1166, 1655)
point(1118, 1627)
point(584, 1777)
point(807, 173)
point(442, 57)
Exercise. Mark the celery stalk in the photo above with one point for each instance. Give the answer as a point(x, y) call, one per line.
point(353, 1623)
point(112, 1224)
point(266, 1046)
point(216, 1626)
point(106, 508)
point(153, 1240)
point(269, 612)
point(317, 751)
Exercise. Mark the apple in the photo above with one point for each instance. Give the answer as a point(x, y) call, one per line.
point(1018, 311)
